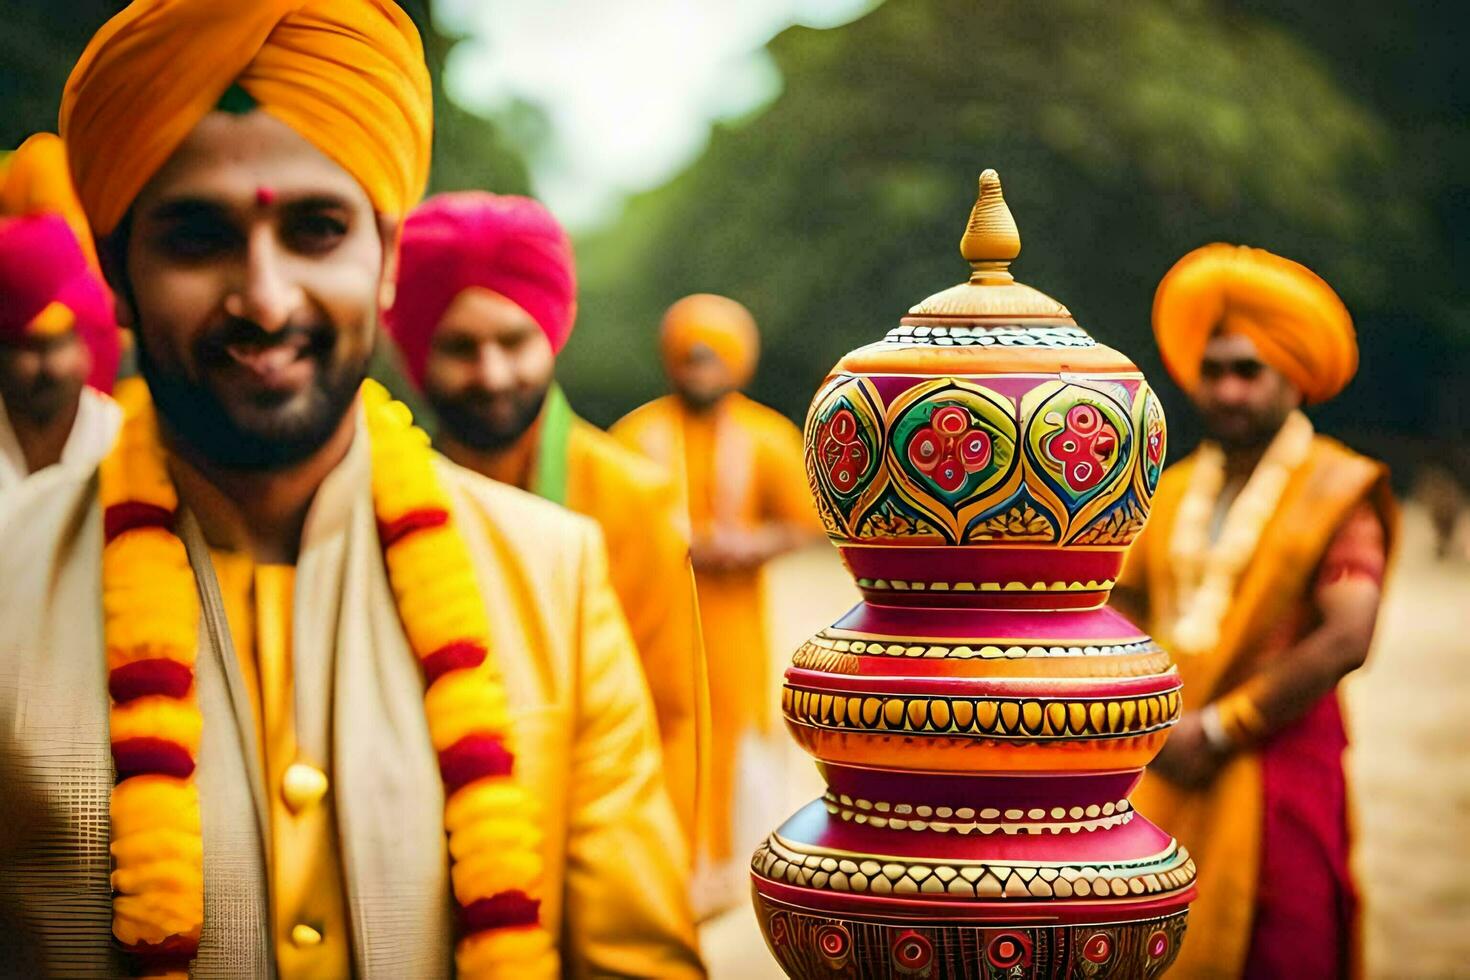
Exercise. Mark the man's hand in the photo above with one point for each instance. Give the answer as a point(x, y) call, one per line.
point(729, 549)
point(721, 549)
point(1188, 760)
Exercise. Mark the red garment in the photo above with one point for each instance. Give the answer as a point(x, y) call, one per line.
point(1306, 905)
point(41, 264)
point(509, 245)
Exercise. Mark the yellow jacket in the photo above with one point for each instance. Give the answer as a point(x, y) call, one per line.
point(638, 510)
point(576, 464)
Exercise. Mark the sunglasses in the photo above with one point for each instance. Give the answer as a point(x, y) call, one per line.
point(1245, 368)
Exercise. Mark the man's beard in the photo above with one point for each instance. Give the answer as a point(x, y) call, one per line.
point(42, 402)
point(702, 400)
point(194, 412)
point(466, 418)
point(1256, 433)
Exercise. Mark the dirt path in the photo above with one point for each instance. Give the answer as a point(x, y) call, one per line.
point(1410, 769)
point(1410, 765)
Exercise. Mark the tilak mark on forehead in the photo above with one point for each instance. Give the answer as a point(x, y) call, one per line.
point(238, 102)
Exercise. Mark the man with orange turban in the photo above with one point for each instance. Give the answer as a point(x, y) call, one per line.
point(351, 709)
point(486, 300)
point(738, 467)
point(1260, 569)
point(58, 341)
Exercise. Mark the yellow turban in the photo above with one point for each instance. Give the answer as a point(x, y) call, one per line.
point(348, 75)
point(721, 324)
point(35, 180)
point(1296, 321)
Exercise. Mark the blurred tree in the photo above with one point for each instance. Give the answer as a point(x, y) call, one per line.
point(1126, 134)
point(1410, 67)
point(469, 151)
point(38, 46)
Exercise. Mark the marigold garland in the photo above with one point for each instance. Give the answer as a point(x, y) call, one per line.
point(1206, 574)
point(151, 619)
point(494, 843)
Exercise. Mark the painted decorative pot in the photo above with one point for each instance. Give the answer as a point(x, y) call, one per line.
point(980, 717)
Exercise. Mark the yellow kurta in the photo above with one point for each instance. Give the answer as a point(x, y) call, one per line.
point(739, 467)
point(1221, 824)
point(308, 907)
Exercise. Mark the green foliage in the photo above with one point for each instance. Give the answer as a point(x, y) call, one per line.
point(1125, 134)
point(469, 152)
point(38, 45)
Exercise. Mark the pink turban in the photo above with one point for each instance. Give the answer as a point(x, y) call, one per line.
point(47, 287)
point(506, 244)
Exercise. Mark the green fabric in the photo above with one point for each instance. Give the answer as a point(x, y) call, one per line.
point(236, 101)
point(549, 480)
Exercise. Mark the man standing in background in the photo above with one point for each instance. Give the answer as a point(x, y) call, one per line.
point(58, 341)
point(486, 300)
point(738, 465)
point(1260, 570)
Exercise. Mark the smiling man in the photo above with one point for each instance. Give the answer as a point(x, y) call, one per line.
point(352, 710)
point(1260, 569)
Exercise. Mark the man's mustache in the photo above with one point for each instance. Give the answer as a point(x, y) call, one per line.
point(482, 397)
point(1232, 413)
point(46, 382)
point(213, 346)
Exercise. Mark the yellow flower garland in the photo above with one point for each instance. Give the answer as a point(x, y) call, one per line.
point(1206, 574)
point(151, 618)
point(151, 622)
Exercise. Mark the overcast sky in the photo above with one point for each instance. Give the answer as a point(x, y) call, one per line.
point(630, 87)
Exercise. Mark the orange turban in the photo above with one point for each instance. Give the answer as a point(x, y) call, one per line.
point(721, 324)
point(1296, 321)
point(348, 75)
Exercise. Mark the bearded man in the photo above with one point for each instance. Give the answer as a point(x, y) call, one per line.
point(738, 468)
point(314, 701)
point(487, 298)
point(58, 341)
point(1261, 570)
